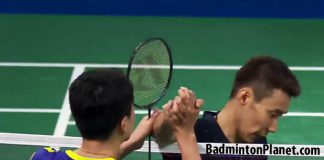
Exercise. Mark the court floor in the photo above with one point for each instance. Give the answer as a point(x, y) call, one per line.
point(39, 55)
point(33, 99)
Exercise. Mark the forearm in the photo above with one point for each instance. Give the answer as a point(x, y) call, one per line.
point(163, 131)
point(188, 145)
point(137, 138)
point(125, 149)
point(129, 146)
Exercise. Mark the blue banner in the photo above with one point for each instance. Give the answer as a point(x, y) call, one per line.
point(187, 8)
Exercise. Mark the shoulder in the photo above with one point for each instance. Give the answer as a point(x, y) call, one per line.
point(206, 128)
point(48, 153)
point(206, 121)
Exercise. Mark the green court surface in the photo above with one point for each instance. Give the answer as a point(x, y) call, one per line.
point(32, 96)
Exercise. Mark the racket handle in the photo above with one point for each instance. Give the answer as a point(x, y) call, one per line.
point(149, 137)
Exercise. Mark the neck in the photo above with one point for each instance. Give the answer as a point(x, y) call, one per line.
point(99, 149)
point(227, 121)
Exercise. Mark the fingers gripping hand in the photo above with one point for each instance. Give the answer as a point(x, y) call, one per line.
point(184, 111)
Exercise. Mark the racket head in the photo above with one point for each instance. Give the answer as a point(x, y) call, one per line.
point(150, 70)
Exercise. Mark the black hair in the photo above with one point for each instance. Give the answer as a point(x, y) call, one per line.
point(99, 99)
point(263, 74)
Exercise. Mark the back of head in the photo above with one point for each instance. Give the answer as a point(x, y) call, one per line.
point(264, 74)
point(99, 99)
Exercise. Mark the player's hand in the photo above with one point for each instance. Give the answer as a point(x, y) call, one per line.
point(183, 113)
point(137, 138)
point(144, 129)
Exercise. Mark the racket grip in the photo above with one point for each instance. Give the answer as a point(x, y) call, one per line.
point(149, 137)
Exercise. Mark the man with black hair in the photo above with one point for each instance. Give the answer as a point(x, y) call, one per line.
point(101, 103)
point(261, 94)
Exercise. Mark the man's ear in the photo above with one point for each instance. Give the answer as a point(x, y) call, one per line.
point(124, 124)
point(245, 96)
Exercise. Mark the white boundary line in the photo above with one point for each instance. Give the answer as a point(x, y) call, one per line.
point(142, 112)
point(304, 114)
point(63, 119)
point(184, 67)
point(18, 64)
point(138, 112)
point(30, 110)
point(289, 114)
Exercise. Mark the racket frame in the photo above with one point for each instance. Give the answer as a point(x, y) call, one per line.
point(134, 53)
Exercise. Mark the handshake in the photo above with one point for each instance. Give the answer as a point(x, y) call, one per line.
point(182, 112)
point(177, 121)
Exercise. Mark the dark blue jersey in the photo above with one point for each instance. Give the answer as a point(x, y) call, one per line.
point(207, 130)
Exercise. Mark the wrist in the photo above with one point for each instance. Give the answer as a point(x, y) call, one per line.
point(185, 134)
